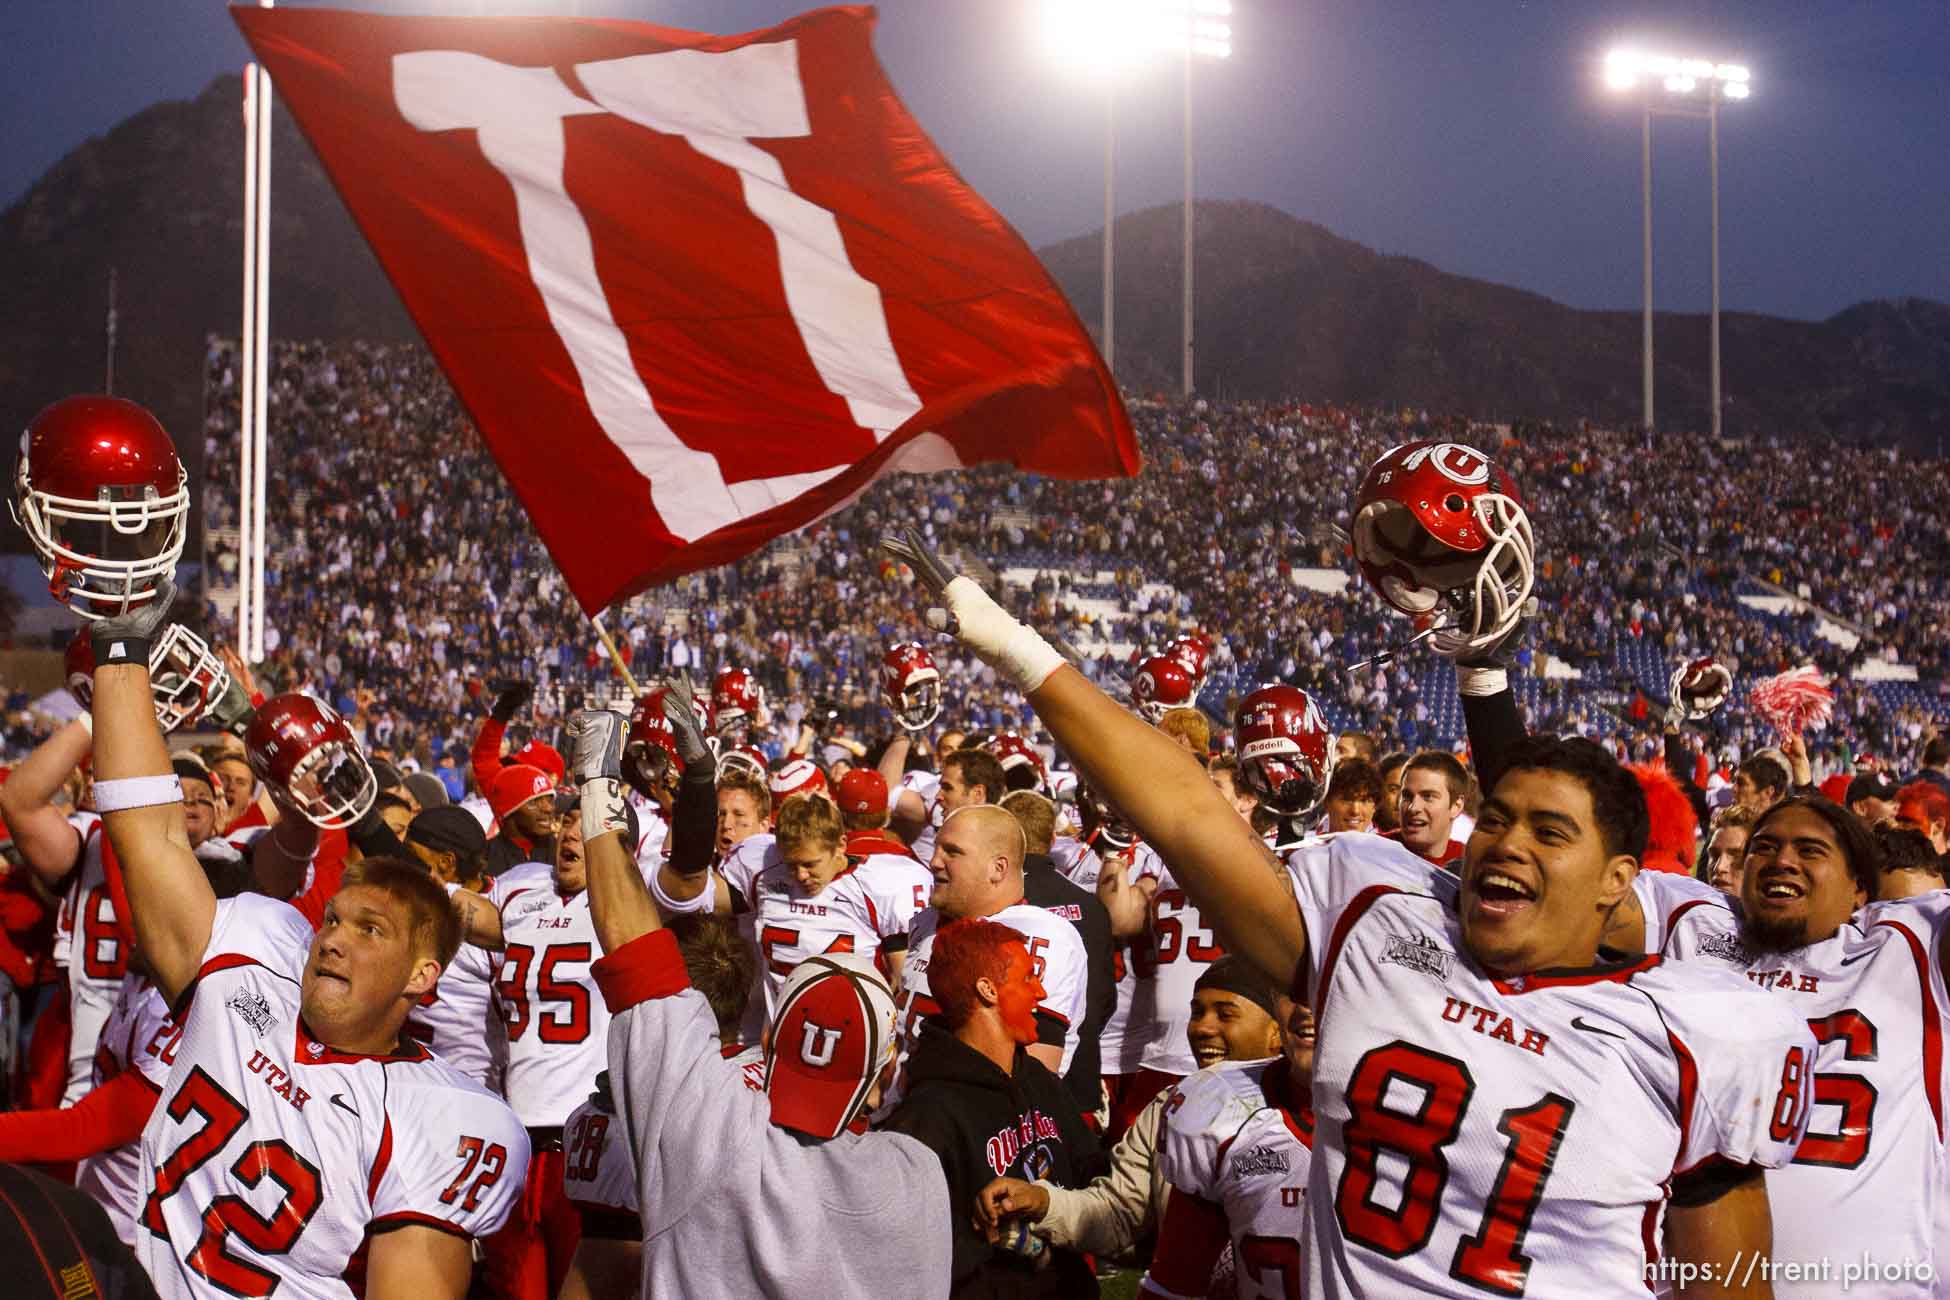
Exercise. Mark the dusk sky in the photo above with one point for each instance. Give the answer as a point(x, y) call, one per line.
point(1474, 134)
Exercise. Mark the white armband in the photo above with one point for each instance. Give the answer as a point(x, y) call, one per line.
point(1479, 682)
point(127, 792)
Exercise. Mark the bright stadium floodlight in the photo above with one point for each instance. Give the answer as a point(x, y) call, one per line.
point(1103, 36)
point(1682, 81)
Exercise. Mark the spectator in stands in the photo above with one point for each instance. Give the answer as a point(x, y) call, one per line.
point(1726, 848)
point(1923, 806)
point(1387, 812)
point(1872, 797)
point(1761, 782)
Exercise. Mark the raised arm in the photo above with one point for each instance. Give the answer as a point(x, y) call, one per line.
point(48, 843)
point(1227, 871)
point(171, 904)
point(619, 902)
point(683, 878)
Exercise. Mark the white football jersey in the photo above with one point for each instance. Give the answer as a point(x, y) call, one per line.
point(456, 1018)
point(867, 909)
point(1233, 1137)
point(1665, 898)
point(1468, 1127)
point(1120, 1047)
point(653, 839)
point(1057, 957)
point(1866, 1183)
point(598, 1170)
point(925, 786)
point(270, 1158)
point(1182, 946)
point(557, 1023)
point(740, 868)
point(138, 1038)
point(89, 946)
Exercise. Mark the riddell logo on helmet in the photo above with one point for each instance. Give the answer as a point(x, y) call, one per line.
point(1270, 745)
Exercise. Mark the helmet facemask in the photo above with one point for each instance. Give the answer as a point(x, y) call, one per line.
point(920, 702)
point(184, 676)
point(325, 798)
point(103, 557)
point(1475, 598)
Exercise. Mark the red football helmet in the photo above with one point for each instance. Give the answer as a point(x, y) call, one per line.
point(104, 500)
point(650, 750)
point(301, 748)
point(749, 757)
point(1286, 753)
point(1701, 686)
point(184, 675)
point(1195, 653)
point(1162, 684)
point(1438, 524)
point(737, 703)
point(1104, 828)
point(911, 685)
point(1022, 766)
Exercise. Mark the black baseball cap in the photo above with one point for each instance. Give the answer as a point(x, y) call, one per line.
point(1870, 785)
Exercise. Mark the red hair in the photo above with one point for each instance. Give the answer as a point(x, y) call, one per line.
point(1928, 798)
point(1672, 837)
point(966, 951)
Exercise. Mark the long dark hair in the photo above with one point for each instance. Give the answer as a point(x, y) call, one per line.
point(1858, 842)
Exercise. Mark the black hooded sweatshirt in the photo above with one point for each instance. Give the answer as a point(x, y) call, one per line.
point(985, 1125)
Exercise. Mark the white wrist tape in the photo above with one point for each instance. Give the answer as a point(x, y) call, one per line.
point(128, 792)
point(603, 808)
point(1010, 648)
point(1478, 682)
point(87, 721)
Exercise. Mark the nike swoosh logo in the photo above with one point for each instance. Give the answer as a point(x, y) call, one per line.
point(338, 1099)
point(1860, 956)
point(1579, 1022)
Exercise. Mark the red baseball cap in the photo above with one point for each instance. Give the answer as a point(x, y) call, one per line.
point(801, 776)
point(863, 790)
point(537, 754)
point(833, 1035)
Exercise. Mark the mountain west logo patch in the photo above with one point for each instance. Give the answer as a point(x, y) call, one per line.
point(1261, 1160)
point(1725, 946)
point(1420, 953)
point(253, 1010)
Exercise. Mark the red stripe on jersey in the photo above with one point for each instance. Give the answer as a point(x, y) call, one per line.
point(873, 913)
point(221, 962)
point(1276, 1085)
point(1352, 913)
point(308, 1049)
point(1932, 1026)
point(1688, 1090)
point(1546, 980)
point(1191, 1238)
point(1672, 922)
point(380, 1161)
point(414, 1219)
point(1648, 1231)
point(648, 966)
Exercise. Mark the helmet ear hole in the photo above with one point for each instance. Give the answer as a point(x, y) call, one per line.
point(1453, 503)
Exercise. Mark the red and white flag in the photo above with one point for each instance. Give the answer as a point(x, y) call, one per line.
point(696, 291)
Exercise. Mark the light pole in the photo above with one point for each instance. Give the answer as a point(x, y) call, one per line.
point(1681, 80)
point(1107, 35)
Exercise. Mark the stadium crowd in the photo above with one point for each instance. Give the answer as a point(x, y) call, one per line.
point(402, 962)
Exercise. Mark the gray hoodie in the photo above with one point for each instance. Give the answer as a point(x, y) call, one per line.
point(733, 1206)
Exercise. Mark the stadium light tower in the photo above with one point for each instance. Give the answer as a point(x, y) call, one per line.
point(1105, 36)
point(1675, 87)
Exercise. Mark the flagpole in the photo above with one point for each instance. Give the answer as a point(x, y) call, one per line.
point(616, 658)
point(247, 373)
point(260, 429)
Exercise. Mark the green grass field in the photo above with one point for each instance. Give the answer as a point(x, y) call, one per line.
point(1118, 1286)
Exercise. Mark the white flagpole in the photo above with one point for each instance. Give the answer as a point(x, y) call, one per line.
point(247, 372)
point(260, 426)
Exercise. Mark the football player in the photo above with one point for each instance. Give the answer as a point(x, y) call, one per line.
point(1467, 1031)
point(1433, 786)
point(299, 1121)
point(723, 1175)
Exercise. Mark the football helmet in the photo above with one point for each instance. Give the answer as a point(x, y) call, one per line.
point(1104, 828)
point(911, 685)
point(1701, 686)
point(737, 703)
point(1286, 753)
point(1195, 653)
point(1441, 535)
point(650, 754)
point(749, 757)
point(303, 749)
point(1022, 766)
point(1161, 684)
point(105, 502)
point(185, 676)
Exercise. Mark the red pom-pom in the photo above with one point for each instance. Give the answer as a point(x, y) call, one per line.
point(1793, 702)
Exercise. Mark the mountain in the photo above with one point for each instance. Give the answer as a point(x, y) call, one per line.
point(1285, 307)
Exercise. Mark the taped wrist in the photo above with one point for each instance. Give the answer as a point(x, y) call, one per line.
point(1477, 682)
point(1011, 648)
point(120, 648)
point(604, 808)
